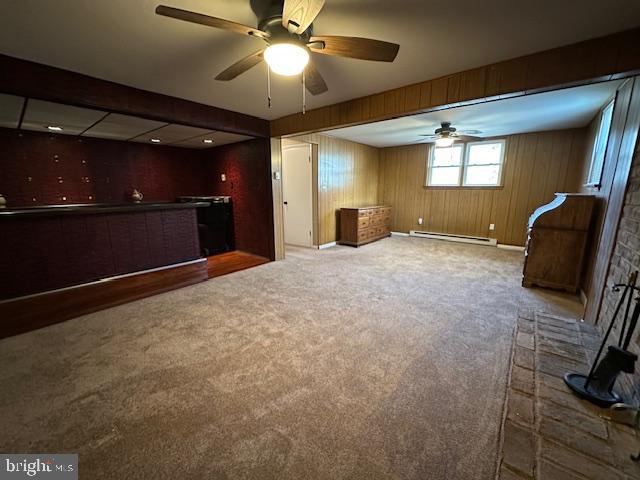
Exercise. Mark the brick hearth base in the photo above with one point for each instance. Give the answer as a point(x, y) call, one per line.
point(548, 433)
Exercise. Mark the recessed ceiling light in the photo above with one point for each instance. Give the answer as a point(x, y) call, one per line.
point(207, 140)
point(155, 140)
point(54, 128)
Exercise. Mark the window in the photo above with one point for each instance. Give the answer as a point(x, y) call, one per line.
point(445, 166)
point(479, 164)
point(600, 146)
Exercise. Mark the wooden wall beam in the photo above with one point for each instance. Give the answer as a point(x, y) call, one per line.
point(34, 80)
point(596, 60)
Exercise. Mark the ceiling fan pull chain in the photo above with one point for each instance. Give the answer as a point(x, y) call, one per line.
point(269, 85)
point(304, 93)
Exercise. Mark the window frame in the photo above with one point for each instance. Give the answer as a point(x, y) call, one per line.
point(590, 183)
point(464, 164)
point(430, 166)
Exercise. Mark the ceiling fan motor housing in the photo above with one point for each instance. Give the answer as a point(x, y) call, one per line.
point(445, 129)
point(269, 13)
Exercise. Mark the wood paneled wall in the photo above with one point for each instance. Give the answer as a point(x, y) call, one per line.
point(599, 59)
point(347, 176)
point(276, 189)
point(620, 148)
point(536, 166)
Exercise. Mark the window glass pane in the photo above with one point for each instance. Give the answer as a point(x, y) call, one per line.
point(449, 156)
point(485, 153)
point(600, 145)
point(444, 176)
point(482, 175)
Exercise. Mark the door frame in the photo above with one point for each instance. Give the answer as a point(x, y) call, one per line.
point(313, 151)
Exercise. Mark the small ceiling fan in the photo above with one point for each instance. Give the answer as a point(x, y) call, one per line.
point(287, 29)
point(446, 135)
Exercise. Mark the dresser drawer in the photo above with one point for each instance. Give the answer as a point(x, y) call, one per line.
point(363, 222)
point(376, 220)
point(366, 234)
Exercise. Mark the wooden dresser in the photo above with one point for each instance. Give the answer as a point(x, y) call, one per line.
point(364, 225)
point(556, 242)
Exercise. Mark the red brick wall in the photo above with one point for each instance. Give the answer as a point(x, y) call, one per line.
point(43, 169)
point(625, 259)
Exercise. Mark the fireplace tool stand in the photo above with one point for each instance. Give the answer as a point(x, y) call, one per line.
point(597, 387)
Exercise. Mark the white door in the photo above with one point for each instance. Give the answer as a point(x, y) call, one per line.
point(297, 194)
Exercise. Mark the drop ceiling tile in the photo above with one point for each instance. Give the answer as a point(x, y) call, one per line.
point(172, 134)
point(73, 120)
point(219, 138)
point(10, 110)
point(122, 127)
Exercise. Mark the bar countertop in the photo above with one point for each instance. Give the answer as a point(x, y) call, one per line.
point(93, 208)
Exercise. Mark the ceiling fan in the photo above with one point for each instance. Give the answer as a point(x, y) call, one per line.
point(446, 135)
point(287, 29)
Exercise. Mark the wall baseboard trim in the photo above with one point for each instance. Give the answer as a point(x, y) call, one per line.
point(327, 245)
point(583, 297)
point(517, 248)
point(400, 234)
point(24, 314)
point(448, 237)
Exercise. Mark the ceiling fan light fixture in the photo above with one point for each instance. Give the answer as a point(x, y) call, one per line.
point(444, 142)
point(286, 59)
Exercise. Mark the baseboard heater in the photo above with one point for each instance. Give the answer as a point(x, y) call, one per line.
point(455, 238)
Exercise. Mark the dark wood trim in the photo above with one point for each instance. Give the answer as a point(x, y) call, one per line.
point(614, 203)
point(596, 60)
point(235, 261)
point(34, 80)
point(37, 311)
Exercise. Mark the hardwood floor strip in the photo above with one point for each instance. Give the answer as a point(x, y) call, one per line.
point(37, 311)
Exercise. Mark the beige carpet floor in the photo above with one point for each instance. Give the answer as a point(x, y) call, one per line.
point(383, 362)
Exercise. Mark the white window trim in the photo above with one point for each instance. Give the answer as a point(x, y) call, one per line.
point(432, 151)
point(598, 184)
point(466, 147)
point(466, 163)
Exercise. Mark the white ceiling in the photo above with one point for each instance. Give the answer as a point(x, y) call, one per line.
point(40, 115)
point(124, 41)
point(559, 109)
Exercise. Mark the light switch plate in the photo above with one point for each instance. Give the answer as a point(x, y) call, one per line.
point(223, 177)
point(492, 226)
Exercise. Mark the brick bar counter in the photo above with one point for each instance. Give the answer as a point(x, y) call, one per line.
point(52, 247)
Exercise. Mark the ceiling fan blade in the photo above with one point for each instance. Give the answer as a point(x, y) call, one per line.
point(355, 47)
point(433, 137)
point(297, 15)
point(242, 66)
point(215, 22)
point(468, 138)
point(313, 80)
